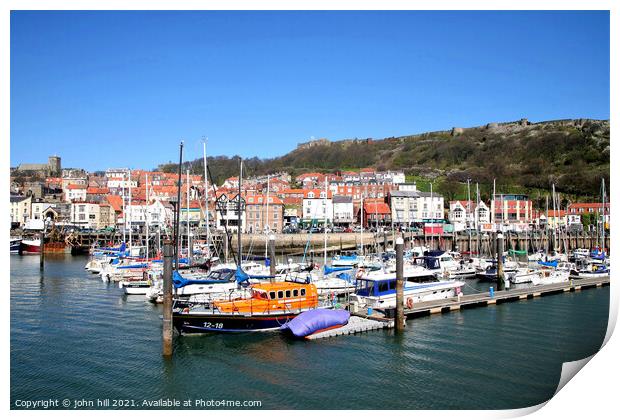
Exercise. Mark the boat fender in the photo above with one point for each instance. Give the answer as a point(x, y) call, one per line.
point(185, 310)
point(409, 303)
point(360, 273)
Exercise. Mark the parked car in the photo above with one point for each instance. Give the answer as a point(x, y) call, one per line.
point(290, 229)
point(337, 229)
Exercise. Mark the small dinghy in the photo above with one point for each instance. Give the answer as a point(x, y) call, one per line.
point(314, 321)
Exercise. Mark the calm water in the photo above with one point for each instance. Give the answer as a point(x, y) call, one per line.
point(74, 337)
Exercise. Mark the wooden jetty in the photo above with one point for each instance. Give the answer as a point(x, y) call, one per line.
point(499, 297)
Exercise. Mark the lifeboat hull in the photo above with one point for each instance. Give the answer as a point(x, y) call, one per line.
point(205, 323)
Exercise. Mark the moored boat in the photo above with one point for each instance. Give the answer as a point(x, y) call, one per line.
point(270, 306)
point(16, 244)
point(30, 246)
point(377, 290)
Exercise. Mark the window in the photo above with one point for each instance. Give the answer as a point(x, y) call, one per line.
point(295, 293)
point(280, 294)
point(82, 216)
point(288, 293)
point(272, 295)
point(303, 292)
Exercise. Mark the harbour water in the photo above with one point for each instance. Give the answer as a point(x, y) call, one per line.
point(75, 337)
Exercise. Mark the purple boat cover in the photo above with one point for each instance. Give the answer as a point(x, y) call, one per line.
point(314, 320)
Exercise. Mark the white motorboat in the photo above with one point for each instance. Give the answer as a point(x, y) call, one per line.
point(551, 277)
point(591, 270)
point(377, 289)
point(525, 275)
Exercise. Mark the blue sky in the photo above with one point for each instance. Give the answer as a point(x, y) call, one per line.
point(106, 89)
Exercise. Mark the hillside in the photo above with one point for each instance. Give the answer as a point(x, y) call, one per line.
point(521, 156)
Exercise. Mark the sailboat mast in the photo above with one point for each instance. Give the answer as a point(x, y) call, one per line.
point(130, 241)
point(146, 218)
point(603, 224)
point(267, 220)
point(555, 219)
point(477, 219)
point(177, 215)
point(189, 251)
point(124, 212)
point(493, 204)
point(325, 225)
point(204, 159)
point(432, 217)
point(547, 224)
point(468, 215)
point(239, 214)
point(361, 223)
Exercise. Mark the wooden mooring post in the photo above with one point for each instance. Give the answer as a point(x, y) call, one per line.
point(42, 251)
point(500, 261)
point(399, 321)
point(167, 316)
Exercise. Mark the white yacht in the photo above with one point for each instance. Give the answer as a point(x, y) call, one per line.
point(377, 289)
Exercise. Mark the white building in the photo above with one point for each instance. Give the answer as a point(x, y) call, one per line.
point(227, 214)
point(409, 207)
point(155, 214)
point(116, 172)
point(92, 215)
point(464, 215)
point(404, 207)
point(391, 177)
point(40, 209)
point(407, 186)
point(116, 183)
point(430, 206)
point(75, 192)
point(343, 209)
point(317, 206)
point(20, 209)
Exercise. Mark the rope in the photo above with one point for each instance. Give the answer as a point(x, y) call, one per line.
point(474, 289)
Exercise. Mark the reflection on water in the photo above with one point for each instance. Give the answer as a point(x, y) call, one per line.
point(73, 336)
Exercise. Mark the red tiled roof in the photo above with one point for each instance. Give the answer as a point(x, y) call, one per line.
point(557, 213)
point(115, 201)
point(317, 193)
point(587, 205)
point(309, 175)
point(76, 187)
point(292, 201)
point(96, 190)
point(292, 191)
point(376, 208)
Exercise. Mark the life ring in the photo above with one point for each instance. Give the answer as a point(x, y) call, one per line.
point(409, 303)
